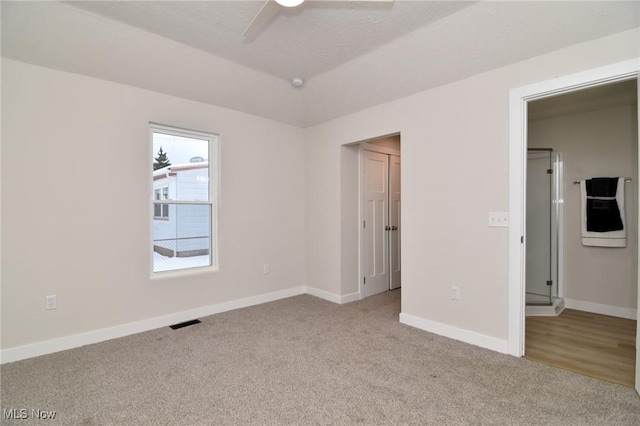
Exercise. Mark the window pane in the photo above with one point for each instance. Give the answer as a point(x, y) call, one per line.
point(182, 224)
point(183, 241)
point(181, 164)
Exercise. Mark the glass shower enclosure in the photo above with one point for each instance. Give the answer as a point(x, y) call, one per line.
point(543, 227)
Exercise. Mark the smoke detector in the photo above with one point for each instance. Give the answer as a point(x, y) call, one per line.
point(297, 81)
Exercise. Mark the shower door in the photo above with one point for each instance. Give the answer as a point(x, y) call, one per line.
point(538, 232)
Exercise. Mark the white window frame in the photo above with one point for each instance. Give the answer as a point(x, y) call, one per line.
point(214, 189)
point(164, 195)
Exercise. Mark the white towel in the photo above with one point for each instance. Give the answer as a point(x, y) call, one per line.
point(604, 239)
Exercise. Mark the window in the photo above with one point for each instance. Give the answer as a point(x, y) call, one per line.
point(183, 199)
point(161, 211)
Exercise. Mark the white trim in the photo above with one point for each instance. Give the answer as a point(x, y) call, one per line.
point(332, 297)
point(364, 146)
point(518, 99)
point(516, 294)
point(361, 236)
point(456, 333)
point(74, 341)
point(599, 308)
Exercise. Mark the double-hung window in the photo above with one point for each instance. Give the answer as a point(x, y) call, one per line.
point(183, 198)
point(161, 211)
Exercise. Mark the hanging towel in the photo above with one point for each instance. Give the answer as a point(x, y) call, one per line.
point(602, 206)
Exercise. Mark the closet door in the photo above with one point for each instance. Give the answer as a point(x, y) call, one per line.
point(376, 224)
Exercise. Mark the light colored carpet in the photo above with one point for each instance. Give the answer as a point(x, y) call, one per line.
point(302, 361)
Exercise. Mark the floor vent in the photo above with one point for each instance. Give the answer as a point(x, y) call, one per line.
point(184, 324)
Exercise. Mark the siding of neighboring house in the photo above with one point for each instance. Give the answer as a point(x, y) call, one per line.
point(186, 230)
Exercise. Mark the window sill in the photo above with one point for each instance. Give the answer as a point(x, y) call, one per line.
point(180, 273)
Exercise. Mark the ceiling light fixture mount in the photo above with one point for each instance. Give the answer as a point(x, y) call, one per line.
point(297, 81)
point(289, 3)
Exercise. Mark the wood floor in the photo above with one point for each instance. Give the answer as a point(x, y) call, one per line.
point(594, 345)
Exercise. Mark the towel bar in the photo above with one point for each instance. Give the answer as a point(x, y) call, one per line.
point(577, 182)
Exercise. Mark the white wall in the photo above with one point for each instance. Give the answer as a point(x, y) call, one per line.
point(601, 142)
point(350, 223)
point(454, 171)
point(76, 188)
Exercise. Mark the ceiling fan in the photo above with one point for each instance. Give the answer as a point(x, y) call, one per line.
point(271, 8)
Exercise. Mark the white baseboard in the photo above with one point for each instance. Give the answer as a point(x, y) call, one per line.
point(456, 333)
point(598, 308)
point(332, 297)
point(69, 342)
point(96, 336)
point(348, 298)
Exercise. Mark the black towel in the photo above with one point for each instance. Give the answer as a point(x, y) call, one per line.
point(603, 213)
point(603, 216)
point(601, 187)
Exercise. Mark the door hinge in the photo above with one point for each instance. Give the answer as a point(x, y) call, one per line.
point(364, 280)
point(549, 171)
point(521, 239)
point(364, 224)
point(550, 282)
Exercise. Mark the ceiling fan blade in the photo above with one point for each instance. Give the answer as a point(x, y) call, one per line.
point(265, 15)
point(368, 1)
point(270, 9)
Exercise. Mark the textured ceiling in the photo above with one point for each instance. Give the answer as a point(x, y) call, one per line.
point(353, 55)
point(302, 41)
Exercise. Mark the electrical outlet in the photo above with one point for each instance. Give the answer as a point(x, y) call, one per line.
point(455, 292)
point(265, 268)
point(50, 302)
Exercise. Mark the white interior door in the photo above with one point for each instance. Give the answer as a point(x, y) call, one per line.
point(394, 220)
point(538, 255)
point(375, 227)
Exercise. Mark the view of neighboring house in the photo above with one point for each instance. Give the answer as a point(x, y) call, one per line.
point(182, 230)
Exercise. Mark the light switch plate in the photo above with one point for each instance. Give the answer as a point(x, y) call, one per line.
point(499, 219)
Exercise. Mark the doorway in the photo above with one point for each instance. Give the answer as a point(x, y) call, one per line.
point(519, 100)
point(596, 129)
point(380, 201)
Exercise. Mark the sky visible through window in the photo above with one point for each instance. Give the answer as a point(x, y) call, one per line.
point(179, 149)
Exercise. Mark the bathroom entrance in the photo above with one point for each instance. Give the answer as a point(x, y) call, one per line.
point(594, 273)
